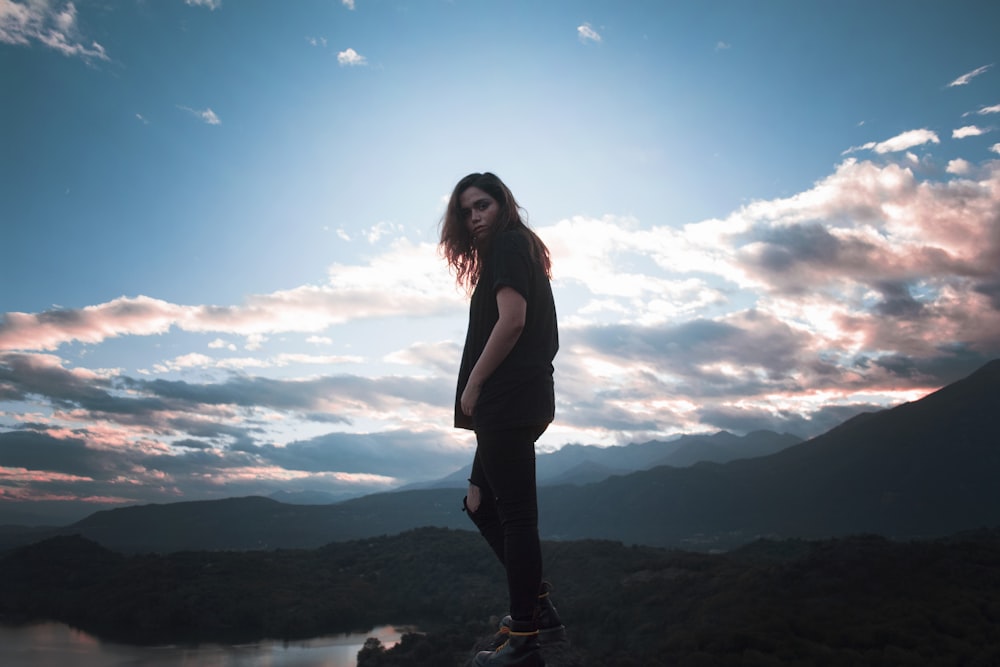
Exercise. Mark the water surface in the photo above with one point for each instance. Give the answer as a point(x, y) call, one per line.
point(57, 645)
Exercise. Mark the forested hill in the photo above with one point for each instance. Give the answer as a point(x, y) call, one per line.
point(860, 600)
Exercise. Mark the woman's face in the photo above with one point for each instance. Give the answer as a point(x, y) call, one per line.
point(479, 212)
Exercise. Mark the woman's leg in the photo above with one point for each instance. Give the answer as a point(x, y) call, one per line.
point(480, 504)
point(507, 461)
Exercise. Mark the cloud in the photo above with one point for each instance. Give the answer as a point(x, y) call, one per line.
point(722, 46)
point(995, 148)
point(870, 258)
point(349, 4)
point(381, 229)
point(38, 465)
point(198, 436)
point(988, 110)
point(587, 34)
point(207, 115)
point(93, 324)
point(351, 58)
point(899, 143)
point(40, 452)
point(211, 4)
point(439, 356)
point(156, 402)
point(319, 340)
point(405, 281)
point(959, 166)
point(44, 375)
point(845, 263)
point(205, 362)
point(747, 418)
point(967, 131)
point(218, 344)
point(53, 25)
point(399, 455)
point(867, 221)
point(969, 76)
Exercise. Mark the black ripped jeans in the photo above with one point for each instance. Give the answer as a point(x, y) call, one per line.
point(507, 516)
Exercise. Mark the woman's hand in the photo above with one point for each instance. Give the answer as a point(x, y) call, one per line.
point(469, 398)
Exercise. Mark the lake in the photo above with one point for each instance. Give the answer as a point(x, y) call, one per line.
point(58, 645)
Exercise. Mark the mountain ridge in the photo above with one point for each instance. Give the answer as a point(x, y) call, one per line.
point(554, 468)
point(921, 469)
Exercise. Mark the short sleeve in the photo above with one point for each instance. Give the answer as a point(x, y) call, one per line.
point(512, 266)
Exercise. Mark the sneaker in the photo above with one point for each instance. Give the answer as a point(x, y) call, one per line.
point(520, 650)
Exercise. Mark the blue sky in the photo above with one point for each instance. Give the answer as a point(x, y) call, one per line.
point(219, 222)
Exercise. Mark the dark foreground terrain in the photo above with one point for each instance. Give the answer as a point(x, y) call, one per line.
point(859, 600)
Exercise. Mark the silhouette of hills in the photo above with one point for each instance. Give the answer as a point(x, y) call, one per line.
point(585, 464)
point(921, 469)
point(574, 464)
point(859, 600)
point(309, 497)
point(262, 523)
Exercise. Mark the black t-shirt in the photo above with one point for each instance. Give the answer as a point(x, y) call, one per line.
point(520, 391)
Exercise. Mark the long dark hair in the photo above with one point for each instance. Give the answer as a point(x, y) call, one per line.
point(456, 242)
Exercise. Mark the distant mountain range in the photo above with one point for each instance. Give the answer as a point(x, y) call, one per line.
point(585, 464)
point(922, 469)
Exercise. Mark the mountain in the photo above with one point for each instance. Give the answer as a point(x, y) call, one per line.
point(922, 469)
point(586, 472)
point(683, 451)
point(583, 464)
point(309, 497)
point(724, 447)
point(263, 523)
point(42, 513)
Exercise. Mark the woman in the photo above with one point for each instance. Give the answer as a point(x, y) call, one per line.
point(505, 394)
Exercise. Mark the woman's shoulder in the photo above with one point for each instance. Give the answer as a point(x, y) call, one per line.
point(512, 239)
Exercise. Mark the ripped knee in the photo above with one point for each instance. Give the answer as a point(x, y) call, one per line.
point(484, 516)
point(472, 499)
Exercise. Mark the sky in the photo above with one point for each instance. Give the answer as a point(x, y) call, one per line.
point(220, 277)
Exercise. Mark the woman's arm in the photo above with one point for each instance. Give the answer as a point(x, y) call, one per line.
point(506, 331)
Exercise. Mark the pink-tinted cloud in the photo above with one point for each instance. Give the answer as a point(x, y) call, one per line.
point(35, 476)
point(867, 224)
point(875, 285)
point(407, 281)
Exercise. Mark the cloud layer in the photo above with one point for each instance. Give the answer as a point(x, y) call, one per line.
point(876, 285)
